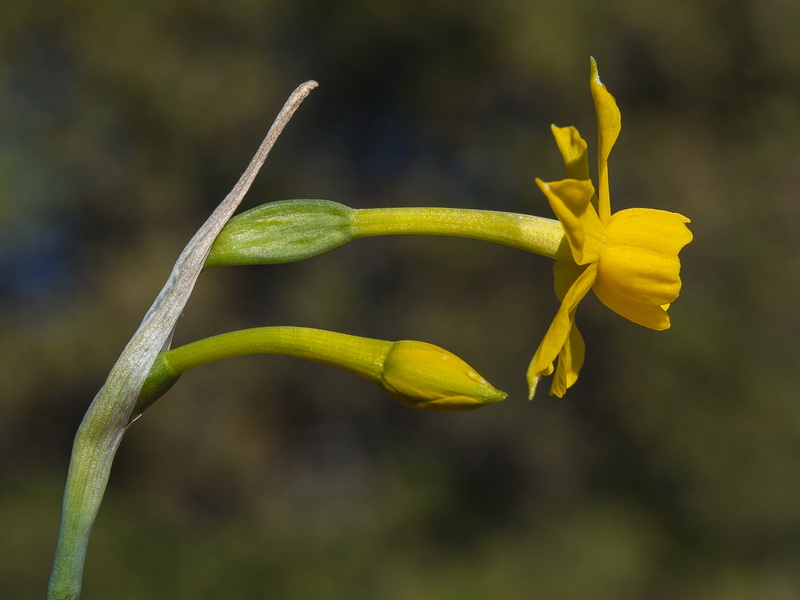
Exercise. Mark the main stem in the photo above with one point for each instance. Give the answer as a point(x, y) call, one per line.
point(525, 232)
point(104, 424)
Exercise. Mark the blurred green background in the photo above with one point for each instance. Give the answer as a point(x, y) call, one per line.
point(669, 471)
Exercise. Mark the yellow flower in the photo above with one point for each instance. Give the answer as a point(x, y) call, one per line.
point(629, 258)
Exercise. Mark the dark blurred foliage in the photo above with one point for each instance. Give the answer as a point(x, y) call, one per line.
point(668, 472)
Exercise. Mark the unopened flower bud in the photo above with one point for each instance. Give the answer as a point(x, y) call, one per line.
point(280, 232)
point(417, 374)
point(426, 376)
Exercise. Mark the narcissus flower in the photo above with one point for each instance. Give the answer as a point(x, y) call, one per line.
point(629, 258)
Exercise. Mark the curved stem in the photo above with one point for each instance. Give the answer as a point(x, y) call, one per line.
point(525, 232)
point(358, 355)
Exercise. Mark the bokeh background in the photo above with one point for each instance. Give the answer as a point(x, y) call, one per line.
point(669, 471)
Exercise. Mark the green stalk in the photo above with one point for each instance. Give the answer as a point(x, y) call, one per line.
point(359, 355)
point(362, 356)
point(525, 232)
point(291, 230)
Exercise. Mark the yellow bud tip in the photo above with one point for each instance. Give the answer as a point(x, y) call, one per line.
point(594, 74)
point(532, 382)
point(426, 376)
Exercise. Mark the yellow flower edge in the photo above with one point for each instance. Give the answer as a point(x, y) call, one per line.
point(629, 258)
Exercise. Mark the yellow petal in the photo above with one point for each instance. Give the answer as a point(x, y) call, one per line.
point(639, 271)
point(570, 361)
point(640, 258)
point(564, 275)
point(570, 200)
point(573, 150)
point(646, 314)
point(609, 123)
point(649, 227)
point(558, 333)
